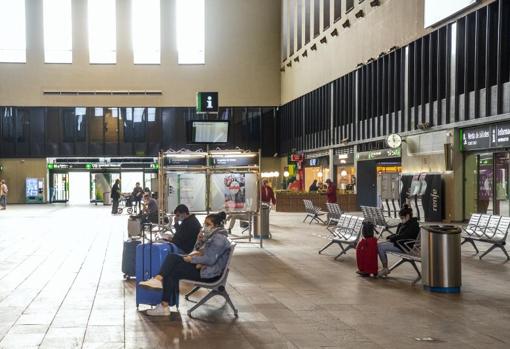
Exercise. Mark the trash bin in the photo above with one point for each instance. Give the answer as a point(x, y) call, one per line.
point(440, 255)
point(107, 199)
point(261, 222)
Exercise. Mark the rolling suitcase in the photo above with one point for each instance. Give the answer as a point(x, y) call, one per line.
point(134, 227)
point(149, 258)
point(129, 258)
point(366, 256)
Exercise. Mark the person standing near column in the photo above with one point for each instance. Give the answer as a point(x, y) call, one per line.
point(3, 194)
point(331, 191)
point(115, 196)
point(267, 194)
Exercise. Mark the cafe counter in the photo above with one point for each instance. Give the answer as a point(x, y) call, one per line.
point(288, 201)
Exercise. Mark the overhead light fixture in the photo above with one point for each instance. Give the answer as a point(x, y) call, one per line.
point(394, 48)
point(375, 3)
point(382, 54)
point(313, 47)
point(324, 40)
point(370, 60)
point(360, 65)
point(296, 59)
point(289, 64)
point(359, 14)
point(346, 24)
point(282, 69)
point(305, 53)
point(334, 32)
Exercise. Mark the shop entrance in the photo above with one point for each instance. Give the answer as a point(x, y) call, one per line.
point(486, 183)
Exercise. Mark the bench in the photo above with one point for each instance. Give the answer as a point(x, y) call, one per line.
point(391, 208)
point(312, 212)
point(334, 214)
point(489, 229)
point(376, 216)
point(217, 288)
point(346, 234)
point(411, 253)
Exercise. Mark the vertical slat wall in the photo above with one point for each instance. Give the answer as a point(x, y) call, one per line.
point(459, 72)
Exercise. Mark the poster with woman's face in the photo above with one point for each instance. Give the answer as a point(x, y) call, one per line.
point(235, 191)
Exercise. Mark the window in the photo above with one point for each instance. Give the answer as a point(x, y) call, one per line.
point(12, 31)
point(316, 18)
point(191, 31)
point(338, 9)
point(145, 22)
point(102, 31)
point(58, 41)
point(326, 14)
point(349, 5)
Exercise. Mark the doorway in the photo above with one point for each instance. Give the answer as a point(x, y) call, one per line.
point(79, 188)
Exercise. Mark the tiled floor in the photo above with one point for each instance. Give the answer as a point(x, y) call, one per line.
point(61, 287)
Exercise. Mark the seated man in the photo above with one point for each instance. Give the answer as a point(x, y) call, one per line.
point(187, 227)
point(150, 211)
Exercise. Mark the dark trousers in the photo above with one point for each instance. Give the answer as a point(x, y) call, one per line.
point(174, 268)
point(137, 205)
point(115, 206)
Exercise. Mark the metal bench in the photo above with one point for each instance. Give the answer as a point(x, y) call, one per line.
point(376, 216)
point(312, 212)
point(334, 214)
point(488, 229)
point(218, 288)
point(346, 234)
point(411, 253)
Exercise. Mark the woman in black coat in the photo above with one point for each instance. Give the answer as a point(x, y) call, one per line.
point(407, 230)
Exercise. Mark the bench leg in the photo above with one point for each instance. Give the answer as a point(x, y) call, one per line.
point(488, 251)
point(344, 250)
point(398, 264)
point(203, 300)
point(195, 289)
point(472, 243)
point(229, 302)
point(413, 263)
point(325, 247)
point(304, 220)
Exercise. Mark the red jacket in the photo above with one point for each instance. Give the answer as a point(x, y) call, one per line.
point(331, 193)
point(267, 195)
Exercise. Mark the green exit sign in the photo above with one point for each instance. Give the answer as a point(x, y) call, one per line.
point(88, 166)
point(51, 166)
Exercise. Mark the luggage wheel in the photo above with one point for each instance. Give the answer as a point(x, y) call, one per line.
point(129, 210)
point(120, 210)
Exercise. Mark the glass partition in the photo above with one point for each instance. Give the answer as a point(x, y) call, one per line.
point(188, 189)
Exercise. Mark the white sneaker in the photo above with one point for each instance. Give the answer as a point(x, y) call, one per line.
point(152, 283)
point(383, 273)
point(159, 310)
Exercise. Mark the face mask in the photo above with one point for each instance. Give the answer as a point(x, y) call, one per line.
point(208, 230)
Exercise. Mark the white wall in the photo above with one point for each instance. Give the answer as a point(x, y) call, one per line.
point(242, 61)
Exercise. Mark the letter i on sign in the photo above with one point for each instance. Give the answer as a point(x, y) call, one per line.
point(209, 102)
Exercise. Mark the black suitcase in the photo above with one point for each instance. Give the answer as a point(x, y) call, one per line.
point(129, 258)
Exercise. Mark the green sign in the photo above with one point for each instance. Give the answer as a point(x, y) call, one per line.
point(379, 154)
point(51, 166)
point(88, 166)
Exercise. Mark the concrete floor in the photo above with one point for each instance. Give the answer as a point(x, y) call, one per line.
point(61, 287)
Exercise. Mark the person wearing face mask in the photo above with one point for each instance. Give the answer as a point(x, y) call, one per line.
point(187, 227)
point(205, 264)
point(407, 230)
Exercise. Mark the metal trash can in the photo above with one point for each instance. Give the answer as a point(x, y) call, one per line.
point(107, 199)
point(261, 222)
point(440, 255)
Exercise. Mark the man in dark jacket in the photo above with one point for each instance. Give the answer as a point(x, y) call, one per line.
point(407, 230)
point(115, 195)
point(187, 227)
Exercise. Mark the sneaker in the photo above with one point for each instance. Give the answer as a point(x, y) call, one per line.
point(159, 310)
point(152, 283)
point(383, 273)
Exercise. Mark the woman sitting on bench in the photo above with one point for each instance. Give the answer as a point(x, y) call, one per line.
point(206, 263)
point(407, 230)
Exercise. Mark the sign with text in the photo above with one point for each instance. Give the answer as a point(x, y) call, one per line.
point(486, 137)
point(235, 161)
point(185, 161)
point(379, 154)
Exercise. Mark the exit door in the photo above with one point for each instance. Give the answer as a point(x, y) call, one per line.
point(59, 191)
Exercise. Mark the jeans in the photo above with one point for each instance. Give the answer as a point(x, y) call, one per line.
point(385, 247)
point(174, 268)
point(115, 206)
point(3, 201)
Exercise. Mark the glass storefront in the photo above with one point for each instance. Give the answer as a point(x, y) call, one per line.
point(486, 179)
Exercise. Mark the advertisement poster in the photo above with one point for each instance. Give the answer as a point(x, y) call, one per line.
point(188, 189)
point(234, 191)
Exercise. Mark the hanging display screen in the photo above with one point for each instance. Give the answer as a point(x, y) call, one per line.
point(208, 132)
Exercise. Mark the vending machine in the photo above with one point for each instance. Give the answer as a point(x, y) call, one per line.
point(34, 190)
